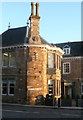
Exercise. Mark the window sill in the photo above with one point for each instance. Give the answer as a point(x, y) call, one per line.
point(11, 95)
point(4, 94)
point(51, 68)
point(8, 67)
point(66, 73)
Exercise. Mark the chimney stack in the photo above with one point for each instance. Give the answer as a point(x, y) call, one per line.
point(32, 9)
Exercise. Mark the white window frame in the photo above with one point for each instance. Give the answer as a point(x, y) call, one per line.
point(69, 68)
point(8, 82)
point(5, 66)
point(51, 59)
point(67, 51)
point(2, 88)
point(81, 88)
point(9, 65)
point(51, 82)
point(10, 61)
point(13, 82)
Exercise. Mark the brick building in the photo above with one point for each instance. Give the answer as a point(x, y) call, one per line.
point(31, 66)
point(72, 68)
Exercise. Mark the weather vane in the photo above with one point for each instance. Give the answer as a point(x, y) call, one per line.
point(9, 26)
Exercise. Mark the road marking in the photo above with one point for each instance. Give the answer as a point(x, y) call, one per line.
point(35, 112)
point(71, 114)
point(23, 111)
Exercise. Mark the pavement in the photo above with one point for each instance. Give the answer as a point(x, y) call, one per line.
point(43, 106)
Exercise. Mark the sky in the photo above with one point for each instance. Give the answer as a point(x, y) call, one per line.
point(59, 22)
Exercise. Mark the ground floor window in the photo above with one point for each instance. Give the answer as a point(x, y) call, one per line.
point(8, 87)
point(4, 88)
point(51, 87)
point(11, 88)
point(82, 88)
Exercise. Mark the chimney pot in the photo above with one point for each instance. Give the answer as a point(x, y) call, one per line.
point(32, 8)
point(37, 9)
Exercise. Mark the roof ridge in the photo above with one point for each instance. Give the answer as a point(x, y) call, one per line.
point(17, 27)
point(13, 29)
point(68, 42)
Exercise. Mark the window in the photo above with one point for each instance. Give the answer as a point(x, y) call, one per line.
point(50, 60)
point(9, 59)
point(66, 68)
point(82, 88)
point(5, 59)
point(4, 88)
point(51, 87)
point(11, 88)
point(58, 62)
point(35, 56)
point(8, 87)
point(66, 50)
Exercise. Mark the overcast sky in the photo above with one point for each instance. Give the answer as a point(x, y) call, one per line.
point(60, 21)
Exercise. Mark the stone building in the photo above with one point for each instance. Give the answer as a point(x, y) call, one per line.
point(31, 66)
point(72, 68)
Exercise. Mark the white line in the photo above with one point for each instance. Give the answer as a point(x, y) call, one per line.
point(17, 111)
point(72, 114)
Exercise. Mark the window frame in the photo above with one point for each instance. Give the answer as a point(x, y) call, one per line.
point(81, 88)
point(9, 60)
point(51, 65)
point(3, 59)
point(51, 85)
point(66, 51)
point(64, 68)
point(10, 82)
point(6, 88)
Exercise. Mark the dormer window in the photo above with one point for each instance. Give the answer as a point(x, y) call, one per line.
point(66, 50)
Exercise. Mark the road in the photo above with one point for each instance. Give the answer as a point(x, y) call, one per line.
point(21, 111)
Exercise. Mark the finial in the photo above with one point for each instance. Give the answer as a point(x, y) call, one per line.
point(9, 26)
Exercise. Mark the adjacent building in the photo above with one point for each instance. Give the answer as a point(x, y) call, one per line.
point(31, 66)
point(72, 68)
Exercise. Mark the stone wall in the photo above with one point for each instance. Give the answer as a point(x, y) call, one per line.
point(19, 74)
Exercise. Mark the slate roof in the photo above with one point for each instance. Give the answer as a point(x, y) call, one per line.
point(13, 36)
point(17, 36)
point(75, 48)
